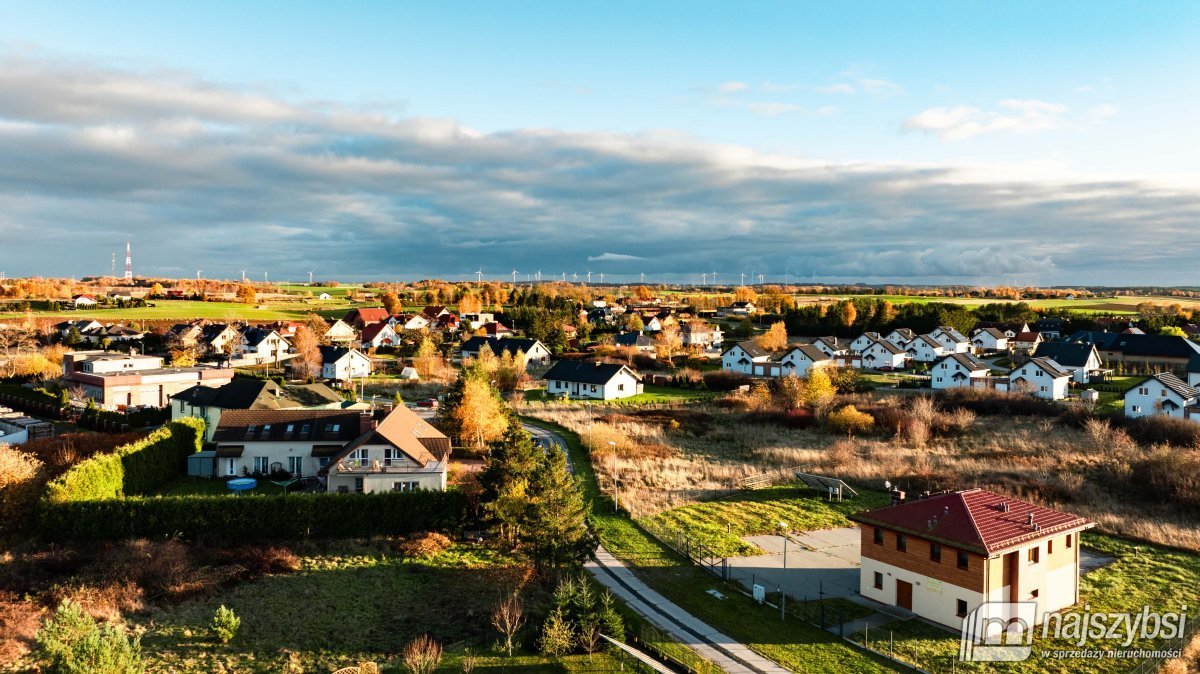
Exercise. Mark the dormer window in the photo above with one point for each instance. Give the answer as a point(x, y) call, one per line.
point(250, 432)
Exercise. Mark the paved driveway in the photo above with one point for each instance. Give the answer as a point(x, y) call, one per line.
point(817, 561)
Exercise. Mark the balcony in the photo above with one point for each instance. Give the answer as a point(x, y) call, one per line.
point(375, 466)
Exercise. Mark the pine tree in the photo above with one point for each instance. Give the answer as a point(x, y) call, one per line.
point(557, 533)
point(506, 480)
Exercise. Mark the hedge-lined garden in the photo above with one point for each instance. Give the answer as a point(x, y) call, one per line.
point(292, 516)
point(133, 469)
point(105, 497)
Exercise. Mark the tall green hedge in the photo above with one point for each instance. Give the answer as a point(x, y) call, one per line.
point(137, 468)
point(243, 518)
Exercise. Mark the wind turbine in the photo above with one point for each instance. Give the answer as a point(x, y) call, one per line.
point(243, 276)
point(589, 276)
point(564, 277)
point(601, 278)
point(760, 279)
point(310, 278)
point(643, 277)
point(514, 275)
point(714, 277)
point(264, 277)
point(479, 275)
point(198, 273)
point(538, 276)
point(703, 278)
point(743, 278)
point(574, 277)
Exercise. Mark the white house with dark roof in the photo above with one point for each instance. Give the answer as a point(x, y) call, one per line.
point(1163, 394)
point(925, 349)
point(830, 346)
point(1026, 341)
point(860, 343)
point(592, 380)
point(952, 340)
point(883, 355)
point(741, 357)
point(262, 345)
point(1042, 377)
point(956, 370)
point(901, 337)
point(1080, 359)
point(342, 364)
point(801, 359)
point(989, 339)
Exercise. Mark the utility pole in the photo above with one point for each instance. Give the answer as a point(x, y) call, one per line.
point(616, 493)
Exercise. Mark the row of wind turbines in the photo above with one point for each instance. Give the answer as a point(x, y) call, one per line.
point(537, 277)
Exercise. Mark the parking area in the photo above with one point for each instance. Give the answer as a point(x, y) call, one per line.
point(817, 561)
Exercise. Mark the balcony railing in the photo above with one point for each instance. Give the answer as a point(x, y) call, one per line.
point(376, 466)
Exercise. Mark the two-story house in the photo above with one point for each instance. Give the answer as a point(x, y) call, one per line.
point(956, 370)
point(741, 357)
point(988, 340)
point(883, 355)
point(1164, 394)
point(1041, 377)
point(944, 555)
point(952, 340)
point(801, 359)
point(339, 363)
point(925, 349)
point(1080, 359)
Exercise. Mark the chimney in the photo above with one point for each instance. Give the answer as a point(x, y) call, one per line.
point(1003, 506)
point(1030, 520)
point(366, 422)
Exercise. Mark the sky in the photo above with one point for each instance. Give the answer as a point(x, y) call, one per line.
point(926, 142)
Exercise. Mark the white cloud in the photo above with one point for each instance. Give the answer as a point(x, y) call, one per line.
point(613, 257)
point(774, 109)
point(1024, 116)
point(733, 87)
point(839, 88)
point(880, 87)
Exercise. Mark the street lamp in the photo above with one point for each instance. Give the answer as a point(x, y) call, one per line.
point(616, 495)
point(783, 531)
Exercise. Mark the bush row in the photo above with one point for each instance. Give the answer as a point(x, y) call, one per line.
point(99, 419)
point(242, 518)
point(137, 468)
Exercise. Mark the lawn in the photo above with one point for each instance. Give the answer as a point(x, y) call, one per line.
point(1160, 578)
point(353, 602)
point(722, 523)
point(795, 644)
point(649, 395)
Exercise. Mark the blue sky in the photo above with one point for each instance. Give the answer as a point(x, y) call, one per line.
point(905, 142)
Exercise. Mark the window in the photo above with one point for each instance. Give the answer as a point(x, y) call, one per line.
point(961, 608)
point(230, 469)
point(1069, 537)
point(287, 432)
point(261, 464)
point(963, 559)
point(391, 454)
point(878, 536)
point(935, 552)
point(405, 486)
point(322, 461)
point(593, 388)
point(296, 465)
point(1144, 391)
point(620, 387)
point(250, 432)
point(305, 431)
point(902, 542)
point(1050, 547)
point(1033, 594)
point(878, 581)
point(1034, 555)
point(360, 456)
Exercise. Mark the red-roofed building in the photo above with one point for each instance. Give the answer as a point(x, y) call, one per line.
point(943, 555)
point(360, 318)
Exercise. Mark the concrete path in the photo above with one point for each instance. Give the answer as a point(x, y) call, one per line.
point(817, 561)
point(722, 651)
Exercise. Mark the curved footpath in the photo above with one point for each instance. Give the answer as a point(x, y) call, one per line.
point(719, 649)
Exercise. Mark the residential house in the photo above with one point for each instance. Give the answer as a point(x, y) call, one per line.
point(883, 355)
point(659, 321)
point(1010, 330)
point(361, 318)
point(474, 321)
point(737, 310)
point(115, 380)
point(1154, 351)
point(956, 370)
point(446, 321)
point(741, 356)
point(408, 322)
point(952, 340)
point(802, 358)
point(324, 297)
point(246, 393)
point(262, 345)
point(433, 311)
point(377, 335)
point(925, 349)
point(592, 380)
point(1026, 342)
point(186, 334)
point(340, 363)
point(89, 330)
point(901, 337)
point(83, 301)
point(1042, 377)
point(533, 351)
point(402, 452)
point(948, 554)
point(1164, 394)
point(1051, 327)
point(989, 340)
point(700, 334)
point(219, 339)
point(495, 330)
point(864, 340)
point(1081, 360)
point(341, 332)
point(635, 340)
point(831, 346)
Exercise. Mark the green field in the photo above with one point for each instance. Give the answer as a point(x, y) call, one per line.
point(353, 602)
point(300, 289)
point(721, 523)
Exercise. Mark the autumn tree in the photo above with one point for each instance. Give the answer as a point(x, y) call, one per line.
point(818, 390)
point(847, 314)
point(643, 293)
point(318, 326)
point(426, 358)
point(508, 617)
point(392, 303)
point(479, 414)
point(307, 362)
point(246, 294)
point(470, 304)
point(775, 338)
point(668, 342)
point(744, 294)
point(634, 322)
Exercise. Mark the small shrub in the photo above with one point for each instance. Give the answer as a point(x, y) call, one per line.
point(422, 655)
point(1161, 429)
point(225, 624)
point(260, 560)
point(424, 545)
point(557, 637)
point(849, 420)
point(724, 381)
point(71, 642)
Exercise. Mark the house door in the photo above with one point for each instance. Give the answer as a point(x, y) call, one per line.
point(904, 594)
point(296, 465)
